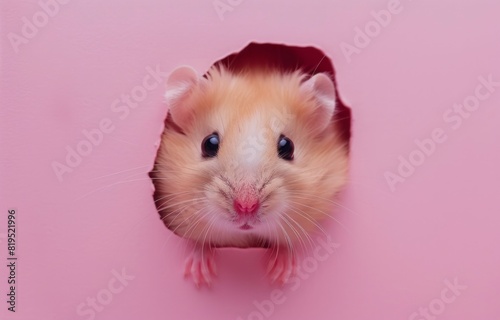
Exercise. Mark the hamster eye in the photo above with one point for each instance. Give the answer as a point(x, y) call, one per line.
point(285, 148)
point(210, 145)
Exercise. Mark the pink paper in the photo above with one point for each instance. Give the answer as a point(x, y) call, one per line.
point(81, 91)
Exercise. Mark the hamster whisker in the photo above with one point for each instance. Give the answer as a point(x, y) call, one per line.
point(301, 177)
point(184, 207)
point(323, 212)
point(315, 171)
point(158, 167)
point(167, 214)
point(306, 216)
point(161, 178)
point(132, 175)
point(274, 246)
point(306, 234)
point(174, 195)
point(192, 227)
point(313, 208)
point(172, 171)
point(188, 203)
point(162, 172)
point(177, 213)
point(297, 195)
point(208, 227)
point(178, 226)
point(292, 228)
point(285, 234)
point(109, 186)
point(163, 206)
point(319, 63)
point(115, 173)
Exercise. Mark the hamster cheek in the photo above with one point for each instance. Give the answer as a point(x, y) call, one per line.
point(275, 201)
point(217, 201)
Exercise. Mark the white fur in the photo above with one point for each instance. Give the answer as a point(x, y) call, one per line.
point(252, 148)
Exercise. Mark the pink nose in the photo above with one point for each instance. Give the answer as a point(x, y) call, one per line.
point(248, 206)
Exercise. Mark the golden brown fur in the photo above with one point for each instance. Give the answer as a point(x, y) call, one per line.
point(249, 111)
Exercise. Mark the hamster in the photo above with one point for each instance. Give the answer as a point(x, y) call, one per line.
point(248, 159)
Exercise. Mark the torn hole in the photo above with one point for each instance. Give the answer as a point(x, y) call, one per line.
point(309, 60)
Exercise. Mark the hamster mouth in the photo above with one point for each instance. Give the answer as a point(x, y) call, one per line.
point(244, 223)
point(246, 226)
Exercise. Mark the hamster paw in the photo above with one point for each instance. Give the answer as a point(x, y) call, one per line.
point(200, 265)
point(282, 265)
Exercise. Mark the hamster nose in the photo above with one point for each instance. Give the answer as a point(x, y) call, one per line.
point(248, 206)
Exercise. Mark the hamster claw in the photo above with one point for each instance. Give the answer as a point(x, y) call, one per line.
point(200, 266)
point(282, 267)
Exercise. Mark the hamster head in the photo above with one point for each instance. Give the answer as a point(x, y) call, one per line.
point(251, 155)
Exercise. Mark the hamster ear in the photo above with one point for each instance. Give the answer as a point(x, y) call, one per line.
point(323, 90)
point(180, 85)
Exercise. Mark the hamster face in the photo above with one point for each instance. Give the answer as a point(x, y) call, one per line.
point(248, 157)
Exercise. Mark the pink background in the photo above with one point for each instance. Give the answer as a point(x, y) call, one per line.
point(396, 248)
